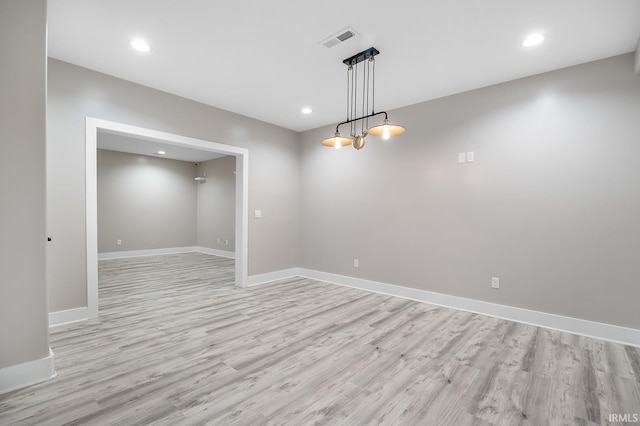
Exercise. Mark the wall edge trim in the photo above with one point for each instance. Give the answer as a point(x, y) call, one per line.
point(26, 374)
point(216, 252)
point(68, 316)
point(268, 277)
point(637, 59)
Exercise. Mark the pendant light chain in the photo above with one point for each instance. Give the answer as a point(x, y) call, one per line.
point(348, 94)
point(368, 90)
point(373, 103)
point(367, 107)
point(355, 100)
point(364, 94)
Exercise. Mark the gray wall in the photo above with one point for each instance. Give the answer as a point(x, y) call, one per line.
point(551, 204)
point(75, 93)
point(146, 202)
point(23, 309)
point(216, 204)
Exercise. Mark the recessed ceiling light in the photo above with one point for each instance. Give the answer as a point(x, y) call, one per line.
point(533, 40)
point(161, 153)
point(140, 45)
point(306, 110)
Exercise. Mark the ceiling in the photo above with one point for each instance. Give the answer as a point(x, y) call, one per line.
point(263, 59)
point(114, 141)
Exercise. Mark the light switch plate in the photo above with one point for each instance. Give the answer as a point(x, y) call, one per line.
point(471, 157)
point(257, 214)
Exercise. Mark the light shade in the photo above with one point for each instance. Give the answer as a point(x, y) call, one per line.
point(336, 141)
point(386, 130)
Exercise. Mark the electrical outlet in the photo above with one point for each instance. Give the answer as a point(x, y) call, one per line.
point(226, 242)
point(119, 242)
point(462, 157)
point(470, 157)
point(356, 263)
point(495, 282)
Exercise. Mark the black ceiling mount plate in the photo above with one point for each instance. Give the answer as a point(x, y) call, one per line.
point(359, 57)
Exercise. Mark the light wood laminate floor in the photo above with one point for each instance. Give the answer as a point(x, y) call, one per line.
point(176, 343)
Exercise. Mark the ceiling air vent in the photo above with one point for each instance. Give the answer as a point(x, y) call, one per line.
point(339, 37)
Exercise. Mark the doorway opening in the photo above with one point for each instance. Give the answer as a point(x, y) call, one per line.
point(93, 126)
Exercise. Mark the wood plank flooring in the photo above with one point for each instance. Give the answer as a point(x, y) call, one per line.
point(177, 344)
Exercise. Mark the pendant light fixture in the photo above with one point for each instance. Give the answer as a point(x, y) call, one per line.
point(361, 106)
point(336, 141)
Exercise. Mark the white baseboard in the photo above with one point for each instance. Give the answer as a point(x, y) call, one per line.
point(598, 330)
point(613, 333)
point(170, 250)
point(216, 252)
point(27, 374)
point(82, 314)
point(272, 276)
point(150, 252)
point(68, 316)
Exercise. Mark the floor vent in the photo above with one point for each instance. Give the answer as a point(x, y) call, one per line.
point(339, 37)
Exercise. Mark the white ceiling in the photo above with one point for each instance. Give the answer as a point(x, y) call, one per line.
point(114, 141)
point(263, 59)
